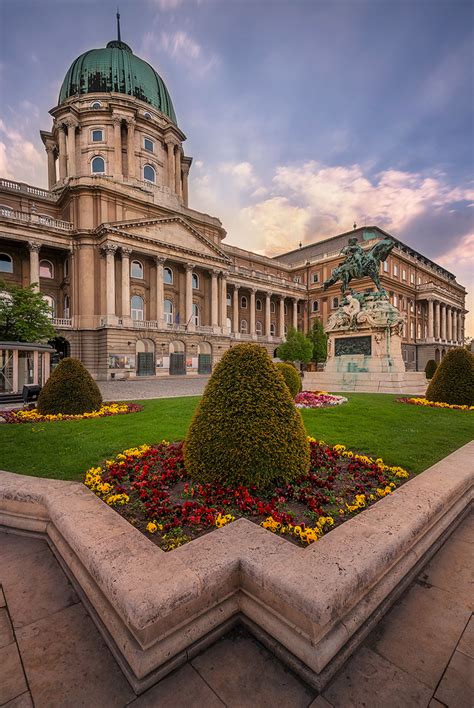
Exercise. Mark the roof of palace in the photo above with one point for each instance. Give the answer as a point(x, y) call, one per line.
point(115, 68)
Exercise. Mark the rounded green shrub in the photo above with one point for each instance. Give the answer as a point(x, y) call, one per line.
point(430, 368)
point(246, 429)
point(70, 390)
point(291, 376)
point(453, 381)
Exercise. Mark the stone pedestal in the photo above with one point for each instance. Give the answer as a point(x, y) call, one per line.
point(365, 349)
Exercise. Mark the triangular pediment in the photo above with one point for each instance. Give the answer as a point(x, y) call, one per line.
point(173, 233)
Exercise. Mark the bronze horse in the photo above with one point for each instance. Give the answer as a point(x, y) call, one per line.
point(360, 264)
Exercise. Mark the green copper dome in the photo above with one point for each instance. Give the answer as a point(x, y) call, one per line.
point(116, 69)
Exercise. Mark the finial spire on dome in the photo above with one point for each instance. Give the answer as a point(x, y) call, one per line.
point(118, 25)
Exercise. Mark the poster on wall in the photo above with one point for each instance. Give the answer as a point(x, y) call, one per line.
point(121, 361)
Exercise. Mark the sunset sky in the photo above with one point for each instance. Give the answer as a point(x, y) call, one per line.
point(302, 116)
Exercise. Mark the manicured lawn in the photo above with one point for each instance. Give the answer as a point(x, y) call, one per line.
point(410, 436)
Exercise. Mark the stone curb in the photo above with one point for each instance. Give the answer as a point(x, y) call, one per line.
point(311, 605)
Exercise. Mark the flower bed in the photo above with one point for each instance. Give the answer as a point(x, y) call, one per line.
point(149, 486)
point(433, 404)
point(32, 416)
point(318, 399)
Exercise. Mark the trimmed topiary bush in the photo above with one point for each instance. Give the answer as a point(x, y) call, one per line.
point(291, 376)
point(453, 381)
point(246, 429)
point(70, 390)
point(430, 368)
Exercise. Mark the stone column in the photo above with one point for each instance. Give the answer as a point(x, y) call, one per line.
point(131, 147)
point(235, 310)
point(185, 173)
point(461, 328)
point(71, 148)
point(109, 251)
point(295, 313)
point(267, 314)
point(224, 302)
point(118, 171)
point(126, 253)
point(437, 321)
point(443, 321)
point(51, 165)
point(214, 299)
point(282, 317)
point(170, 165)
point(177, 171)
point(62, 153)
point(449, 319)
point(189, 298)
point(34, 249)
point(252, 330)
point(430, 320)
point(160, 290)
point(455, 326)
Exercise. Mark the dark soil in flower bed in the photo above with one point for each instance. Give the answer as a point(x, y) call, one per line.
point(150, 488)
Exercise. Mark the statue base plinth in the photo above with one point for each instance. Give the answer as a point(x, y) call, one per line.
point(365, 350)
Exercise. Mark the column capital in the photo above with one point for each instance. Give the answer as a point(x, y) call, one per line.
point(50, 147)
point(159, 260)
point(34, 247)
point(108, 248)
point(126, 252)
point(185, 168)
point(131, 122)
point(71, 123)
point(215, 272)
point(252, 290)
point(224, 275)
point(117, 119)
point(236, 287)
point(189, 267)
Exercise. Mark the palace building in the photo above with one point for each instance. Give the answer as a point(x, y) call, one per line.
point(141, 284)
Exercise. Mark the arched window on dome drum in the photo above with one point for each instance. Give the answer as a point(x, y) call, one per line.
point(196, 315)
point(98, 165)
point(168, 276)
point(168, 308)
point(137, 307)
point(147, 115)
point(96, 104)
point(52, 304)
point(136, 269)
point(6, 263)
point(97, 135)
point(149, 174)
point(195, 279)
point(149, 145)
point(46, 269)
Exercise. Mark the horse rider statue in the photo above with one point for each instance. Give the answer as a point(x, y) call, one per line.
point(360, 264)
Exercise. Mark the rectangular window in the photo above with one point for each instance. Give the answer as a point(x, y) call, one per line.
point(335, 303)
point(412, 278)
point(97, 136)
point(395, 270)
point(315, 277)
point(385, 267)
point(148, 145)
point(404, 274)
point(395, 300)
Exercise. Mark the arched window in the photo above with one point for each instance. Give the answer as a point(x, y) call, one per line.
point(272, 329)
point(228, 300)
point(168, 276)
point(46, 269)
point(315, 305)
point(258, 305)
point(272, 307)
point(66, 307)
point(259, 328)
point(149, 145)
point(6, 263)
point(196, 315)
point(136, 269)
point(243, 305)
point(137, 307)
point(66, 267)
point(195, 279)
point(147, 115)
point(51, 302)
point(149, 174)
point(285, 308)
point(96, 104)
point(243, 326)
point(98, 165)
point(168, 308)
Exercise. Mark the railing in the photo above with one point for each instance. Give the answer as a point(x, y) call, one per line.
point(61, 322)
point(26, 189)
point(32, 218)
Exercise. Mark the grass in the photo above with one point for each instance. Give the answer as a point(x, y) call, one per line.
point(410, 436)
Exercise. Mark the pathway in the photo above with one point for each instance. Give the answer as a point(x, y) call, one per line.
point(51, 654)
point(168, 387)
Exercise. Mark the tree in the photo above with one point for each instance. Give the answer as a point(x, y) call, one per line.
point(70, 390)
point(24, 315)
point(246, 429)
point(297, 347)
point(453, 380)
point(319, 340)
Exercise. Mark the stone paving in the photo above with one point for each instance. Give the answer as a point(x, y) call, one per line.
point(167, 387)
point(51, 654)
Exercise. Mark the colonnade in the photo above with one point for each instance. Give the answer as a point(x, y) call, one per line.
point(445, 322)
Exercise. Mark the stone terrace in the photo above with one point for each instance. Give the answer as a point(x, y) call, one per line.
point(51, 654)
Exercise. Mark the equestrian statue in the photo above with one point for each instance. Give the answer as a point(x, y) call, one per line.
point(359, 263)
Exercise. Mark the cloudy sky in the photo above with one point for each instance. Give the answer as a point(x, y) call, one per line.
point(302, 116)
